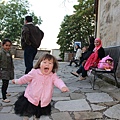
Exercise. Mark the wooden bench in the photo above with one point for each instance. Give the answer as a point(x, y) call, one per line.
point(113, 52)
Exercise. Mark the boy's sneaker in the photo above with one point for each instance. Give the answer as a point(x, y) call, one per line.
point(8, 94)
point(6, 101)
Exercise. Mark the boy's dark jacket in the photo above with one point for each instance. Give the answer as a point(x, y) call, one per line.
point(31, 35)
point(6, 65)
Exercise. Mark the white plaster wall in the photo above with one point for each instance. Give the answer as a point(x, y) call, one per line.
point(56, 53)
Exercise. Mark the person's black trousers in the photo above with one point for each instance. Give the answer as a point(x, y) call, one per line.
point(75, 61)
point(4, 88)
point(82, 70)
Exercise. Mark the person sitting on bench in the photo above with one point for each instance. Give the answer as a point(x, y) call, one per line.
point(93, 60)
point(76, 59)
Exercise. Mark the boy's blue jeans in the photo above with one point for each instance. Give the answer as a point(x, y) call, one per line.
point(29, 55)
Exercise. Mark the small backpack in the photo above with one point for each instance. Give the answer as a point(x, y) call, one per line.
point(41, 35)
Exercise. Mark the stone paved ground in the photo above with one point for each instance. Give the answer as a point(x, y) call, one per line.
point(81, 103)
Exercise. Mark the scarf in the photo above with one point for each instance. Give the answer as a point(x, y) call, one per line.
point(93, 60)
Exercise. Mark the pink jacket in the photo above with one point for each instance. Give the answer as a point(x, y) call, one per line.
point(40, 87)
point(104, 65)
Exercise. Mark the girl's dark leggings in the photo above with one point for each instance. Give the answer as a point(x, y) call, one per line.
point(4, 88)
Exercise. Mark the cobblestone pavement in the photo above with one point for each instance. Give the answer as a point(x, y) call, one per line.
point(80, 103)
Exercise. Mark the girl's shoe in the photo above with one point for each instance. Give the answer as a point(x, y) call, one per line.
point(34, 118)
point(75, 74)
point(6, 101)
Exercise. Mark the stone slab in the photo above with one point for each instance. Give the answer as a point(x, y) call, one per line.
point(113, 112)
point(98, 97)
point(97, 107)
point(73, 105)
point(61, 116)
point(75, 96)
point(6, 109)
point(9, 116)
point(60, 98)
point(87, 115)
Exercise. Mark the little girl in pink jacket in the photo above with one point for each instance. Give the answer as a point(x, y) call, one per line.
point(35, 101)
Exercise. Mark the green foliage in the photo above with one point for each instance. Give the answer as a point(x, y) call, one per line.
point(77, 27)
point(12, 15)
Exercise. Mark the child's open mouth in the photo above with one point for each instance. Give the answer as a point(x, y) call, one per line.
point(46, 69)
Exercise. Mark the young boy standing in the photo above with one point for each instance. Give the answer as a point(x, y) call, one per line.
point(6, 67)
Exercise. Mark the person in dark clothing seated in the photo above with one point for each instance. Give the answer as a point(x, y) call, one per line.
point(92, 61)
point(86, 52)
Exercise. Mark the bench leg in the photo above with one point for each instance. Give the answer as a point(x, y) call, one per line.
point(116, 82)
point(94, 81)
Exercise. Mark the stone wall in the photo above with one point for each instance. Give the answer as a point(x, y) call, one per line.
point(68, 57)
point(108, 26)
point(19, 53)
point(109, 22)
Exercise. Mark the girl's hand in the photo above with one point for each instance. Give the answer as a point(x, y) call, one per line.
point(13, 81)
point(64, 89)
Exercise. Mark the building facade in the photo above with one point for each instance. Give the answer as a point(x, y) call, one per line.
point(107, 14)
point(108, 22)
